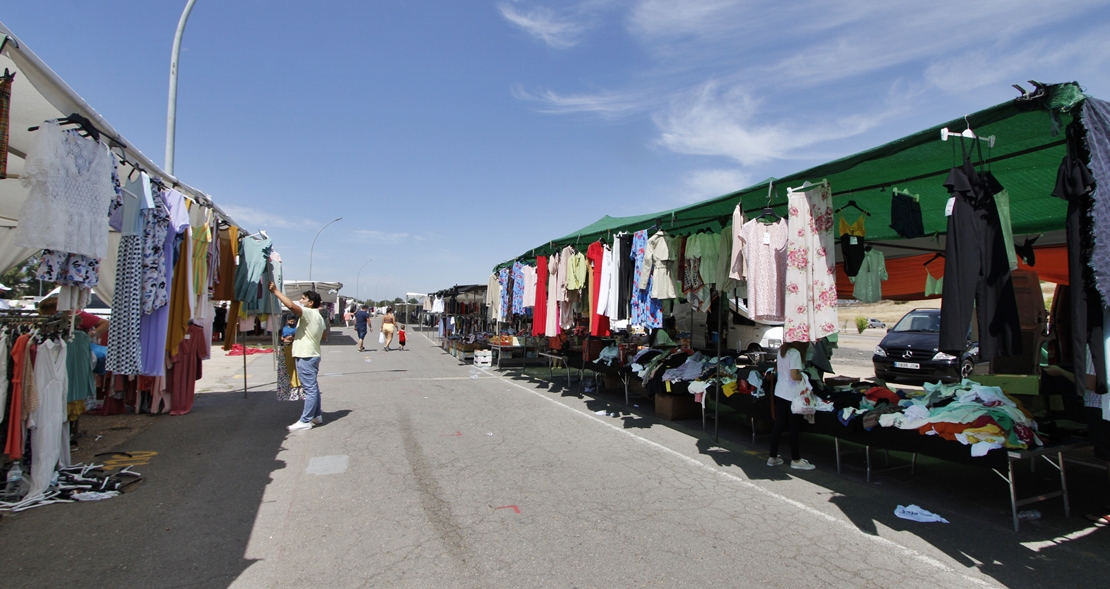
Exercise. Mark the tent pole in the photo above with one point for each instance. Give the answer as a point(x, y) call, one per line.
point(717, 393)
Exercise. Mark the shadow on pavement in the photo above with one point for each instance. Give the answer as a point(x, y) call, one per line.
point(189, 524)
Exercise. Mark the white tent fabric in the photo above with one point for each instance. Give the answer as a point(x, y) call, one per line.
point(38, 94)
point(329, 291)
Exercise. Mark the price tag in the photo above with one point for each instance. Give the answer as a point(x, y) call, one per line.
point(948, 207)
point(853, 240)
point(766, 238)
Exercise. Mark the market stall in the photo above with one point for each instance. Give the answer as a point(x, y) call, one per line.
point(100, 217)
point(956, 211)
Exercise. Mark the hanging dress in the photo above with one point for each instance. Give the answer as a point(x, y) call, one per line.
point(49, 436)
point(811, 267)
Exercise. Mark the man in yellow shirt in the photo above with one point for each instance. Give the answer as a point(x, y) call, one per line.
point(306, 352)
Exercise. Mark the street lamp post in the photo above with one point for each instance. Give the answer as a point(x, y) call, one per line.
point(359, 277)
point(376, 287)
point(171, 113)
point(313, 246)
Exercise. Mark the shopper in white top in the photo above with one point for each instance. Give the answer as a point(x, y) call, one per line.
point(789, 383)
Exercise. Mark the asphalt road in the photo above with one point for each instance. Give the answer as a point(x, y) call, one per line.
point(428, 473)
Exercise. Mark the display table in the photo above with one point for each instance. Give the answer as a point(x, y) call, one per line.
point(555, 358)
point(513, 353)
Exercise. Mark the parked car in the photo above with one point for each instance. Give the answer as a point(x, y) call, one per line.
point(910, 351)
point(876, 324)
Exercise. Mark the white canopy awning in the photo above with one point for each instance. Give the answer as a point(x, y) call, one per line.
point(329, 291)
point(38, 94)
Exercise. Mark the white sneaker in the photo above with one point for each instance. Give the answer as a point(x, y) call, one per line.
point(802, 464)
point(775, 461)
point(318, 419)
point(300, 425)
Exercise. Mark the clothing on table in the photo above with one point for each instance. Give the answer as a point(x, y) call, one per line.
point(49, 436)
point(765, 268)
point(976, 271)
point(933, 286)
point(868, 281)
point(599, 323)
point(1075, 184)
point(70, 191)
point(905, 216)
point(185, 368)
point(810, 300)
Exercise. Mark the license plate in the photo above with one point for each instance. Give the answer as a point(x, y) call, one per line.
point(910, 365)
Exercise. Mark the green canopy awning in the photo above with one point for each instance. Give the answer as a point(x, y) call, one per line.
point(1024, 158)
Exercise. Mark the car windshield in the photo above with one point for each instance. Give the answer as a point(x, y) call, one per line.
point(919, 322)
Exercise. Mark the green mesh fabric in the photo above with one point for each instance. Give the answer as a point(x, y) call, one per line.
point(1025, 158)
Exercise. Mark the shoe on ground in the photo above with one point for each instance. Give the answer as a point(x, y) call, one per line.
point(318, 420)
point(802, 464)
point(775, 461)
point(300, 425)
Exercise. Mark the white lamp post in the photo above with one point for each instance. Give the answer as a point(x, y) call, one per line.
point(313, 246)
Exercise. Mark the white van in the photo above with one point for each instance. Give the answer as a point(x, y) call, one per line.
point(747, 336)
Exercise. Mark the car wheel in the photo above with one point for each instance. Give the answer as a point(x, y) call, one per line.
point(967, 368)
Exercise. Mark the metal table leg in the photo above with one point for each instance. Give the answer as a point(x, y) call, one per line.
point(836, 441)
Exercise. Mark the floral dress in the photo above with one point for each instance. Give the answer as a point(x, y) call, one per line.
point(810, 267)
point(646, 311)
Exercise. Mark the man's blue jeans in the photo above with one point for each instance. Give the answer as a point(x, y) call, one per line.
point(307, 369)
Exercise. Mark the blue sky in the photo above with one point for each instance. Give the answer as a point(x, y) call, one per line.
point(452, 135)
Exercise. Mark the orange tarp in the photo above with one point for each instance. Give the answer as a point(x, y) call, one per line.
point(907, 275)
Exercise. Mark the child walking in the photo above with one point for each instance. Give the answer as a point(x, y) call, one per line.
point(401, 337)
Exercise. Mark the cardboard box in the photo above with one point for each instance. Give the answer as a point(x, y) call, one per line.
point(674, 407)
point(1011, 384)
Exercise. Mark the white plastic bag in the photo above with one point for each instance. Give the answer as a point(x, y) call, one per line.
point(381, 337)
point(806, 402)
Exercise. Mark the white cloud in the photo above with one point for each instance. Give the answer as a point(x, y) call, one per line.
point(710, 183)
point(603, 103)
point(259, 218)
point(712, 121)
point(559, 32)
point(371, 235)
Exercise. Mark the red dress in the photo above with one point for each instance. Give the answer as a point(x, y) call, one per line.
point(539, 312)
point(181, 377)
point(599, 324)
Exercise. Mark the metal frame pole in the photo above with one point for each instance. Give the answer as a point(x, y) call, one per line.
point(313, 246)
point(171, 112)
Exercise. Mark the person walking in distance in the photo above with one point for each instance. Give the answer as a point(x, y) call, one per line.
point(389, 325)
point(362, 324)
point(306, 352)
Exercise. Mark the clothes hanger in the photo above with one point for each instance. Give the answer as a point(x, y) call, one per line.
point(852, 203)
point(934, 258)
point(966, 134)
point(768, 211)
